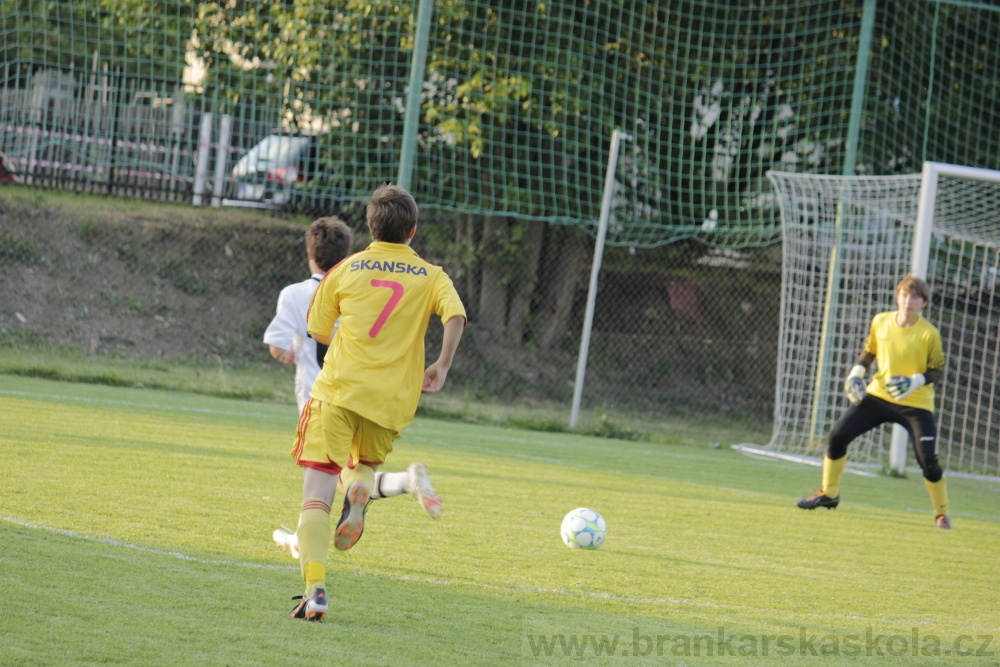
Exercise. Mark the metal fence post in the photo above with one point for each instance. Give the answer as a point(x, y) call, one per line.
point(201, 165)
point(411, 120)
point(221, 160)
point(595, 271)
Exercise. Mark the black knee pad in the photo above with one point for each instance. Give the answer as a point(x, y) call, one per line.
point(933, 472)
point(836, 449)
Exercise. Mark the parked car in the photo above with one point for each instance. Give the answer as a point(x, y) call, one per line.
point(284, 171)
point(7, 173)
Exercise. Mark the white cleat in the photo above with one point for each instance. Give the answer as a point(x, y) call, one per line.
point(287, 540)
point(421, 489)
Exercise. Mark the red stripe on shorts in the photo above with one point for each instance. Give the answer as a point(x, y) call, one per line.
point(300, 430)
point(330, 467)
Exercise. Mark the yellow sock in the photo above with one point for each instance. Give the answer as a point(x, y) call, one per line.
point(832, 471)
point(939, 495)
point(314, 542)
point(360, 473)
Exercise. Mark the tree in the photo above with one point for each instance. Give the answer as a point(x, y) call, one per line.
point(144, 39)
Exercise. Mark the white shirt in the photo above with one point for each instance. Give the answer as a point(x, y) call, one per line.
point(288, 331)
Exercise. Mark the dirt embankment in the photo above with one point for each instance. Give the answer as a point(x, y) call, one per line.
point(140, 279)
point(149, 280)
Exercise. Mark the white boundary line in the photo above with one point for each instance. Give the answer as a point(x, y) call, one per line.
point(157, 552)
point(474, 584)
point(759, 452)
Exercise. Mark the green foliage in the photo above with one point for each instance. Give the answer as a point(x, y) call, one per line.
point(19, 336)
point(16, 249)
point(526, 129)
point(92, 231)
point(127, 304)
point(65, 35)
point(182, 272)
point(129, 257)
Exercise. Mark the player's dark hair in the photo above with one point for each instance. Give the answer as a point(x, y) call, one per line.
point(329, 240)
point(392, 214)
point(914, 285)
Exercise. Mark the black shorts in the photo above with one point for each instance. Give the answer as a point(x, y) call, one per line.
point(872, 412)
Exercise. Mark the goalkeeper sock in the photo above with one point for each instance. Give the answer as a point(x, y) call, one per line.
point(314, 543)
point(832, 472)
point(939, 495)
point(390, 484)
point(359, 473)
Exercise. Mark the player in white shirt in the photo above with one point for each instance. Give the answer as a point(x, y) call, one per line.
point(328, 241)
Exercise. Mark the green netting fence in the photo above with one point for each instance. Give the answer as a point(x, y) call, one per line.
point(517, 100)
point(304, 105)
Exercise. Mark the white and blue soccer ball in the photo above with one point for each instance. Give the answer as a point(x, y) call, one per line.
point(583, 528)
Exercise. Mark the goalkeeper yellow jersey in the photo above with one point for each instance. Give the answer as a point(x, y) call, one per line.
point(384, 296)
point(904, 351)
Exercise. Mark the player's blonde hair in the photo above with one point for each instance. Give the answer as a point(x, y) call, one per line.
point(392, 214)
point(914, 285)
point(329, 241)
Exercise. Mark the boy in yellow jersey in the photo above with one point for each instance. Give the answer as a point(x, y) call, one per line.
point(907, 349)
point(328, 242)
point(368, 390)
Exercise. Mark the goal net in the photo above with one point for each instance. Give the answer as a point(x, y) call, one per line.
point(847, 241)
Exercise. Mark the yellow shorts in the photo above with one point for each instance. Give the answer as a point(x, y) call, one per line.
point(330, 438)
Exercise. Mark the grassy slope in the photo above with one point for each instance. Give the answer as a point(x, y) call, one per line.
point(29, 353)
point(699, 539)
point(269, 381)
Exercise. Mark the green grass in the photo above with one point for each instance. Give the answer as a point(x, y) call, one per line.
point(267, 380)
point(135, 528)
point(115, 208)
point(217, 376)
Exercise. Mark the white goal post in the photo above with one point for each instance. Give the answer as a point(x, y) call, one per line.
point(847, 240)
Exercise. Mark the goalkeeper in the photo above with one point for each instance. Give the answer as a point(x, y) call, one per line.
point(908, 356)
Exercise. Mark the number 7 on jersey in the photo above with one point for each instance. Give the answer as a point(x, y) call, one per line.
point(397, 294)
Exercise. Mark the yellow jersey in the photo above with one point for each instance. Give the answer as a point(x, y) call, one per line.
point(384, 296)
point(904, 351)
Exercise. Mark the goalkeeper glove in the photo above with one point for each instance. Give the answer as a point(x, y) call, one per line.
point(901, 386)
point(854, 387)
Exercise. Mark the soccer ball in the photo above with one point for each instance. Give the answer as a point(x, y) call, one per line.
point(583, 529)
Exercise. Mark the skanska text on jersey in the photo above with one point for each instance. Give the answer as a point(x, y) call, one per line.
point(388, 267)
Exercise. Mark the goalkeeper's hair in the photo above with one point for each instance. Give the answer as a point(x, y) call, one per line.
point(914, 285)
point(329, 241)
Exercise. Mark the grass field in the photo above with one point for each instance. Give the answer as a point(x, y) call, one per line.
point(135, 528)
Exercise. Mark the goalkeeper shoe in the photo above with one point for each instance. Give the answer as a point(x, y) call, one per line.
point(286, 540)
point(942, 521)
point(312, 608)
point(819, 500)
point(421, 489)
point(352, 518)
